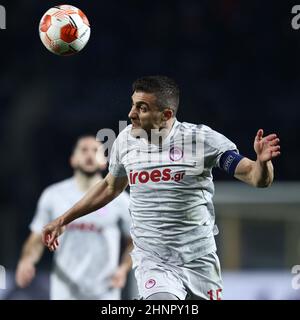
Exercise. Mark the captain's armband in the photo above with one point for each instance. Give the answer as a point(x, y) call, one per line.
point(229, 161)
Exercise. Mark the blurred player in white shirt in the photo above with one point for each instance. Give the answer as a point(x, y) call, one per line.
point(168, 165)
point(86, 266)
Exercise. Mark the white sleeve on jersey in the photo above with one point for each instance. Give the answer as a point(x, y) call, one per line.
point(43, 212)
point(124, 214)
point(116, 168)
point(215, 144)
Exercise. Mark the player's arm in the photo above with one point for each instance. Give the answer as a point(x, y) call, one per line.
point(259, 173)
point(97, 197)
point(120, 276)
point(32, 251)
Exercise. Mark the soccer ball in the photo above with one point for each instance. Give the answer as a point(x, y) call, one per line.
point(64, 30)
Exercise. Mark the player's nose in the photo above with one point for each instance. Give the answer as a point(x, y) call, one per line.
point(90, 158)
point(132, 113)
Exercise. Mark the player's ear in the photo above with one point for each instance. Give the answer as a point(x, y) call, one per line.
point(72, 162)
point(167, 114)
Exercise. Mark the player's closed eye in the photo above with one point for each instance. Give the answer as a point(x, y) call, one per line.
point(140, 108)
point(143, 108)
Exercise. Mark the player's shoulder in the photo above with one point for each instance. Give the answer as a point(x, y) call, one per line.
point(59, 187)
point(125, 133)
point(187, 126)
point(208, 135)
point(125, 140)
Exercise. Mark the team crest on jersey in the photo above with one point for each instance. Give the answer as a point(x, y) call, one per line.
point(150, 284)
point(175, 154)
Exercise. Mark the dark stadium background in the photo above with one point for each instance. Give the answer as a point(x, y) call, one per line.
point(237, 63)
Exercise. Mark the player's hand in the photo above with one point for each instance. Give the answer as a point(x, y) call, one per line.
point(267, 147)
point(25, 273)
point(119, 278)
point(50, 234)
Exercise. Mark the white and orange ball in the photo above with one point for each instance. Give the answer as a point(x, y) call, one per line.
point(64, 30)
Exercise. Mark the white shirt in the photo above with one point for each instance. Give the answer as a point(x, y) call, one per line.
point(171, 189)
point(89, 249)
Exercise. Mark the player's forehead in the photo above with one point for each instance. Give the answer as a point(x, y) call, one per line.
point(87, 142)
point(140, 96)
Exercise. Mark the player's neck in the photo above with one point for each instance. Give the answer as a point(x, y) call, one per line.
point(160, 134)
point(84, 182)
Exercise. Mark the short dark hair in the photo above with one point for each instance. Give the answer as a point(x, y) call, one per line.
point(164, 88)
point(83, 136)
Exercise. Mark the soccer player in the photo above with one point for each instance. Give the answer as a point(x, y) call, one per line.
point(87, 264)
point(168, 165)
